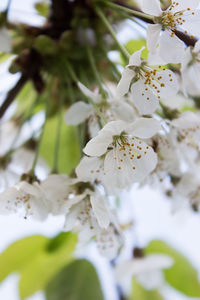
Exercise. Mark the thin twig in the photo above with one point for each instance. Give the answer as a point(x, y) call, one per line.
point(12, 94)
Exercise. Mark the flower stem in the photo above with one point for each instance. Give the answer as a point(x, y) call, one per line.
point(57, 144)
point(8, 8)
point(71, 71)
point(38, 149)
point(95, 71)
point(74, 77)
point(71, 94)
point(107, 24)
point(133, 12)
point(135, 20)
point(115, 71)
point(32, 172)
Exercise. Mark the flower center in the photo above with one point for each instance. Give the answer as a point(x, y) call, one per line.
point(128, 150)
point(152, 79)
point(171, 20)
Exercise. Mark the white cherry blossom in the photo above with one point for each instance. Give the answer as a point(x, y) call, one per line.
point(181, 15)
point(18, 163)
point(147, 270)
point(26, 199)
point(81, 111)
point(170, 157)
point(8, 133)
point(89, 214)
point(92, 217)
point(13, 136)
point(187, 191)
point(147, 84)
point(112, 108)
point(119, 154)
point(188, 129)
point(60, 193)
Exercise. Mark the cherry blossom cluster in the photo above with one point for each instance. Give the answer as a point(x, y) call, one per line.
point(144, 129)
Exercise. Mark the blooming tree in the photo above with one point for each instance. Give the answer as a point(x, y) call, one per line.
point(80, 128)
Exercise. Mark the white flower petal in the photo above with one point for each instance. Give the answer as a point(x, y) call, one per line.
point(7, 200)
point(190, 79)
point(145, 127)
point(192, 22)
point(98, 145)
point(187, 120)
point(184, 4)
point(135, 58)
point(197, 47)
point(89, 169)
point(5, 40)
point(171, 48)
point(145, 100)
point(27, 199)
point(125, 81)
point(123, 111)
point(56, 189)
point(151, 7)
point(109, 242)
point(100, 210)
point(153, 35)
point(186, 59)
point(71, 218)
point(114, 127)
point(168, 84)
point(94, 96)
point(143, 265)
point(78, 113)
point(124, 167)
point(154, 59)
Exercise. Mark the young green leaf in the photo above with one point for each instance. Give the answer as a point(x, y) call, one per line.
point(76, 281)
point(69, 149)
point(182, 275)
point(46, 264)
point(135, 45)
point(20, 253)
point(139, 293)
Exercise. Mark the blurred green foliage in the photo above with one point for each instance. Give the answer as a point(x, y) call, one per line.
point(37, 259)
point(77, 281)
point(139, 293)
point(182, 275)
point(69, 154)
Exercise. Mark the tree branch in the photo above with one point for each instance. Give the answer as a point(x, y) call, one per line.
point(12, 94)
point(189, 41)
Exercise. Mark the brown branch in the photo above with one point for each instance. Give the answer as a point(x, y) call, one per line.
point(12, 94)
point(189, 41)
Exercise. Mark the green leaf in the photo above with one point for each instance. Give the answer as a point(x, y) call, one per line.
point(139, 293)
point(4, 56)
point(46, 264)
point(69, 148)
point(20, 253)
point(42, 8)
point(26, 99)
point(77, 281)
point(45, 45)
point(135, 45)
point(182, 275)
